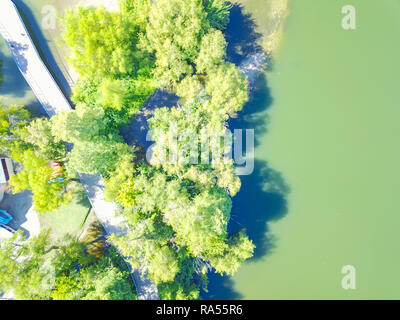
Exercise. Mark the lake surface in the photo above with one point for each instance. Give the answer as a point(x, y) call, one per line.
point(327, 123)
point(324, 193)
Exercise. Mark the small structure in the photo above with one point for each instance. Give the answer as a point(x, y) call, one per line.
point(6, 170)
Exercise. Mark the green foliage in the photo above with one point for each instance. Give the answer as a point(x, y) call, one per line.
point(25, 276)
point(102, 280)
point(177, 211)
point(228, 90)
point(185, 286)
point(189, 88)
point(35, 176)
point(99, 155)
point(239, 248)
point(33, 145)
point(173, 33)
point(81, 124)
point(217, 13)
point(123, 171)
point(201, 227)
point(147, 248)
point(13, 120)
point(212, 52)
point(39, 134)
point(97, 146)
point(86, 91)
point(125, 94)
point(36, 269)
point(103, 43)
point(120, 98)
point(171, 219)
point(139, 8)
point(203, 129)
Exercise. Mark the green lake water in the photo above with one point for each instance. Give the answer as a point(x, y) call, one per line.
point(327, 127)
point(324, 193)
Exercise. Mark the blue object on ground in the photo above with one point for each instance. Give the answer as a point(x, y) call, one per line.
point(5, 217)
point(77, 267)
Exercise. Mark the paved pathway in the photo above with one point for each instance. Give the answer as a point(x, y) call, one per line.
point(113, 224)
point(53, 101)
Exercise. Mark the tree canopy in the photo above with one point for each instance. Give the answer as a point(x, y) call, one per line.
point(177, 204)
point(97, 146)
point(103, 43)
point(38, 269)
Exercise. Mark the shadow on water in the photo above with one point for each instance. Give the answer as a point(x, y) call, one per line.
point(241, 35)
point(263, 196)
point(15, 82)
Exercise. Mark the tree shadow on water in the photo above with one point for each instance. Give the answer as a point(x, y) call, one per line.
point(263, 195)
point(253, 115)
point(262, 199)
point(12, 79)
point(241, 35)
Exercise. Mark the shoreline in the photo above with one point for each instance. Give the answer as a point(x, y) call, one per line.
point(269, 20)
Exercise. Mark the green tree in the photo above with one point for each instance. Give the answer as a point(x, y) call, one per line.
point(189, 88)
point(212, 52)
point(46, 146)
point(13, 120)
point(173, 218)
point(201, 227)
point(101, 280)
point(239, 248)
point(217, 13)
point(129, 94)
point(124, 170)
point(35, 268)
point(203, 128)
point(97, 145)
point(81, 124)
point(103, 43)
point(146, 245)
point(186, 285)
point(36, 175)
point(86, 91)
point(228, 90)
point(98, 156)
point(173, 33)
point(139, 8)
point(24, 266)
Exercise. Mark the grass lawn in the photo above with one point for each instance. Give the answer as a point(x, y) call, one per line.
point(68, 219)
